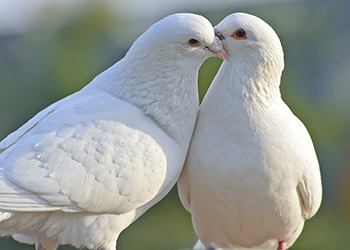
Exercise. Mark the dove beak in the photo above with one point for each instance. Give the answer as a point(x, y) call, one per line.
point(217, 48)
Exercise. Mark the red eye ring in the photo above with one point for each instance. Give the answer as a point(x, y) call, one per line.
point(239, 34)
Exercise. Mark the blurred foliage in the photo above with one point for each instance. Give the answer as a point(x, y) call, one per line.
point(69, 49)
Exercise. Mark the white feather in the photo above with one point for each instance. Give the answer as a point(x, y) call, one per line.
point(252, 176)
point(87, 166)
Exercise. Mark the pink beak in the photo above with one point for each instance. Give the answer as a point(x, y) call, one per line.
point(217, 48)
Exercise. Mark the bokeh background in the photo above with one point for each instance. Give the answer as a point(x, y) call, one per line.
point(50, 49)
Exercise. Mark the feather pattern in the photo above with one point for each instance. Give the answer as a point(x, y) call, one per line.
point(251, 177)
point(84, 168)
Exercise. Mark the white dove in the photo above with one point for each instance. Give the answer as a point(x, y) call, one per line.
point(87, 166)
point(252, 177)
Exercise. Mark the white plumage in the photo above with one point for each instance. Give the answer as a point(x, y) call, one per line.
point(87, 166)
point(252, 176)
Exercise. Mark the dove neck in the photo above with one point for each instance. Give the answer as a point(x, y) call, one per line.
point(251, 81)
point(164, 89)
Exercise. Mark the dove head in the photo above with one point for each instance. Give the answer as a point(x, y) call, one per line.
point(159, 73)
point(250, 41)
point(185, 35)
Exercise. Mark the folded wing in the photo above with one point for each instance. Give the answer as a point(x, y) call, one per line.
point(93, 153)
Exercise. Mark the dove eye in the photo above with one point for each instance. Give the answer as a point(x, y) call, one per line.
point(239, 34)
point(193, 42)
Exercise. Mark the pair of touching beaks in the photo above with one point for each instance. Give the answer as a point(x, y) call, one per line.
point(217, 47)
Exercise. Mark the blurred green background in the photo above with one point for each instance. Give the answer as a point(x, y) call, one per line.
point(63, 47)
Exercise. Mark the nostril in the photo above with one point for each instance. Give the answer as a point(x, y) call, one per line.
point(219, 35)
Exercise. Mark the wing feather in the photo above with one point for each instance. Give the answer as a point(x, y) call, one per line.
point(92, 153)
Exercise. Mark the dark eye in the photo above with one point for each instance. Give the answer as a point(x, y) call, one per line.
point(239, 34)
point(193, 42)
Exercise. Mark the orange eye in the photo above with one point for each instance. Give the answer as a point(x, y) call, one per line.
point(239, 34)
